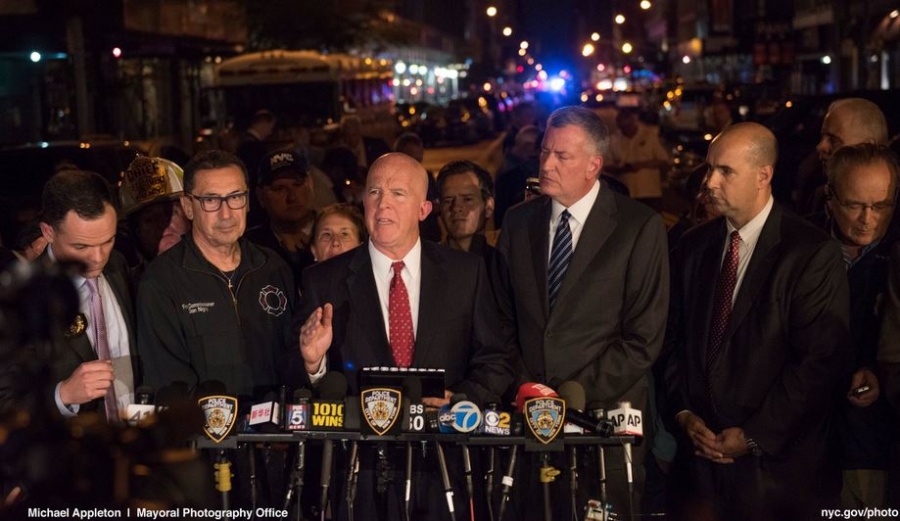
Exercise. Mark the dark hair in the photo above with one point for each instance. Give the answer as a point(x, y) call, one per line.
point(407, 139)
point(485, 181)
point(85, 193)
point(849, 157)
point(588, 121)
point(210, 160)
point(347, 210)
point(262, 116)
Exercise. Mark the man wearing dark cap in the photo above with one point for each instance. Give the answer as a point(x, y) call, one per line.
point(285, 193)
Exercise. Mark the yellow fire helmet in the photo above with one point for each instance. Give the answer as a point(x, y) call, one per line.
point(149, 180)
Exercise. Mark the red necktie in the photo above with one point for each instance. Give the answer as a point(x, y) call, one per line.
point(400, 318)
point(722, 299)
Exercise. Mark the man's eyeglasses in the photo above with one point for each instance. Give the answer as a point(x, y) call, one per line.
point(879, 207)
point(212, 203)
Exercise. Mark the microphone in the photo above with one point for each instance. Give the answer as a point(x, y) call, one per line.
point(445, 477)
point(209, 388)
point(573, 393)
point(266, 414)
point(138, 412)
point(627, 422)
point(219, 409)
point(332, 388)
point(414, 422)
point(297, 412)
point(531, 390)
point(526, 392)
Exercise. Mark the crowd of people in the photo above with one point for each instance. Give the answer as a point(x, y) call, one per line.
point(762, 346)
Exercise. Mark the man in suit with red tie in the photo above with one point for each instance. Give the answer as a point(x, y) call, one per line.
point(96, 368)
point(759, 339)
point(400, 301)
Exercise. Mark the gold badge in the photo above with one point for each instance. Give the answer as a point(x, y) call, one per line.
point(77, 326)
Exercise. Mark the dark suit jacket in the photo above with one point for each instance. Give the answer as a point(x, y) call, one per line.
point(76, 349)
point(889, 343)
point(457, 326)
point(608, 323)
point(785, 349)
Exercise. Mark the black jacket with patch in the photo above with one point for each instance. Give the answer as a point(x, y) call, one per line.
point(195, 326)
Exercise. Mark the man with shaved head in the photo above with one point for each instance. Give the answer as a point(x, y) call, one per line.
point(849, 121)
point(402, 302)
point(759, 340)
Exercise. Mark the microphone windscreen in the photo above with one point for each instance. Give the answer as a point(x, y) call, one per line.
point(458, 397)
point(302, 394)
point(333, 386)
point(173, 394)
point(573, 393)
point(210, 388)
point(531, 390)
point(143, 395)
point(412, 388)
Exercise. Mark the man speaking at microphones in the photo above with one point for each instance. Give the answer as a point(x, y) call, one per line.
point(402, 302)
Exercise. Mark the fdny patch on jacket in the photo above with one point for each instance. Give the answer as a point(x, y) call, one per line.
point(272, 300)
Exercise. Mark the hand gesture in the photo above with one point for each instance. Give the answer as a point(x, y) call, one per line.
point(315, 337)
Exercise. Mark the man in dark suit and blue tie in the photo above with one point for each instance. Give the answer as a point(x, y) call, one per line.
point(759, 341)
point(582, 285)
point(401, 301)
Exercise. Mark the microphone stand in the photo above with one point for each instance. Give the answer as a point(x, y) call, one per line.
point(548, 474)
point(508, 481)
point(408, 491)
point(253, 492)
point(470, 487)
point(573, 480)
point(489, 483)
point(223, 478)
point(295, 486)
point(351, 478)
point(448, 488)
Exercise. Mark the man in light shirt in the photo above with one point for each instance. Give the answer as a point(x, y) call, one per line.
point(759, 340)
point(95, 368)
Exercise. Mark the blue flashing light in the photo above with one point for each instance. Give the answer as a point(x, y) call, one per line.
point(557, 84)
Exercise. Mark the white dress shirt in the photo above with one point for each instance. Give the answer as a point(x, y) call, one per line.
point(383, 272)
point(117, 338)
point(578, 216)
point(749, 233)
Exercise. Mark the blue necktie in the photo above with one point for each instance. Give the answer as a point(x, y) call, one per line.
point(560, 256)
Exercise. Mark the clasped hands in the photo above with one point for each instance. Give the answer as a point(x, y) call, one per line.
point(723, 447)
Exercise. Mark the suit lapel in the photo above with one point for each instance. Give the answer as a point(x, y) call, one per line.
point(599, 226)
point(540, 250)
point(434, 278)
point(764, 256)
point(363, 296)
point(705, 279)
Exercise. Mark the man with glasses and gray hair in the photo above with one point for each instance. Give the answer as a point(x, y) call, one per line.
point(215, 306)
point(859, 198)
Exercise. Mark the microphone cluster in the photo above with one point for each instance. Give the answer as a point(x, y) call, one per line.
point(541, 414)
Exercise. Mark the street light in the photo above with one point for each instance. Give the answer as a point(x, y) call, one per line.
point(524, 44)
point(595, 37)
point(587, 50)
point(895, 13)
point(627, 48)
point(507, 31)
point(645, 4)
point(491, 11)
point(620, 19)
point(35, 56)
